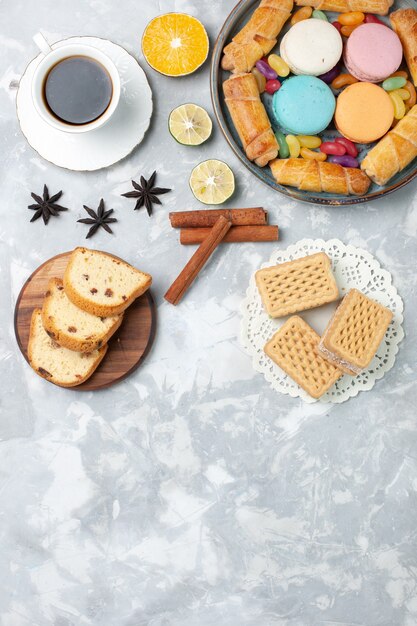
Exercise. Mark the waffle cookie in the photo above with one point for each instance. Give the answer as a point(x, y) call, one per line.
point(297, 285)
point(294, 347)
point(354, 333)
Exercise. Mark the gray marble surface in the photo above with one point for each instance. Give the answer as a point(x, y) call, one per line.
point(192, 494)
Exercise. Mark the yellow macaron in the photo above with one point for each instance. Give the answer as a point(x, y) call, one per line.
point(364, 112)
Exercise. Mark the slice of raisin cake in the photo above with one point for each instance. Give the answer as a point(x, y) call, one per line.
point(102, 284)
point(61, 366)
point(70, 326)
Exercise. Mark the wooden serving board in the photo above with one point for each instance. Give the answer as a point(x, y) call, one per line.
point(128, 346)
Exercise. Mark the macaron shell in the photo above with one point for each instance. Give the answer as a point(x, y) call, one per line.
point(304, 105)
point(311, 47)
point(352, 69)
point(372, 52)
point(283, 54)
point(363, 76)
point(364, 112)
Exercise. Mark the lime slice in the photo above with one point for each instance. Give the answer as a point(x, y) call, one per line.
point(212, 182)
point(190, 124)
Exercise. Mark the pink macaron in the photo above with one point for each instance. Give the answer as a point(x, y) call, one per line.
point(372, 52)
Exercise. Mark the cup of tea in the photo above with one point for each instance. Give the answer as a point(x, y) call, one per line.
point(76, 87)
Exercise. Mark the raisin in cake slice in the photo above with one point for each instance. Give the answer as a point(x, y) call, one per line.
point(60, 366)
point(70, 326)
point(102, 284)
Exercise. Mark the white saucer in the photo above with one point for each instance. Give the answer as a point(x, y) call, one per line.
point(101, 147)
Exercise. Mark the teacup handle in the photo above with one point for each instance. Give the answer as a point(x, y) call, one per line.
point(42, 44)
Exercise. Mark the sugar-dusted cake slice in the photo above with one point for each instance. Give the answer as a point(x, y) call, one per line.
point(294, 347)
point(102, 284)
point(70, 326)
point(59, 365)
point(297, 285)
point(354, 333)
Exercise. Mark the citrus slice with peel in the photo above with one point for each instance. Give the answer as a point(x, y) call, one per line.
point(190, 124)
point(175, 44)
point(212, 182)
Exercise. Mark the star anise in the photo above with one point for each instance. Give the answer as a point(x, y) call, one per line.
point(46, 206)
point(146, 193)
point(98, 218)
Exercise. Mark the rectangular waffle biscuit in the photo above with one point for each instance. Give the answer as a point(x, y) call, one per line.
point(354, 333)
point(294, 347)
point(297, 285)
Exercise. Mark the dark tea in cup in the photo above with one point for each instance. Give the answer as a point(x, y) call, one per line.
point(77, 90)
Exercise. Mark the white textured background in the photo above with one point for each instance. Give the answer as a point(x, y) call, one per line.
point(192, 494)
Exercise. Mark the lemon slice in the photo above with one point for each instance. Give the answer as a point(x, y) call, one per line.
point(175, 44)
point(212, 182)
point(190, 124)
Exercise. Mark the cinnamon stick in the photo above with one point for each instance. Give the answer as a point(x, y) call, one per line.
point(207, 218)
point(236, 234)
point(197, 261)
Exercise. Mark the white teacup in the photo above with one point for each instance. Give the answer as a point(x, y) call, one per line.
point(50, 59)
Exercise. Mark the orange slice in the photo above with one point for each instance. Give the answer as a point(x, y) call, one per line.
point(175, 44)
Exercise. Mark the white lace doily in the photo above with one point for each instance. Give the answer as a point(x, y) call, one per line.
point(352, 267)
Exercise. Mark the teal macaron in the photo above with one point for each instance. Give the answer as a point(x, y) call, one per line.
point(304, 105)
